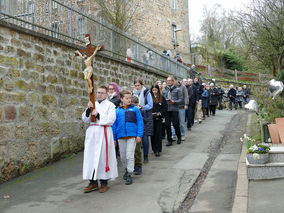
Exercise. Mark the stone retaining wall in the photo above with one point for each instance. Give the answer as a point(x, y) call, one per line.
point(42, 96)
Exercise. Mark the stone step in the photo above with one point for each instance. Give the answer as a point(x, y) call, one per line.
point(272, 170)
point(265, 171)
point(276, 154)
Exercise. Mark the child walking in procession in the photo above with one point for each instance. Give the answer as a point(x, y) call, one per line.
point(128, 130)
point(138, 153)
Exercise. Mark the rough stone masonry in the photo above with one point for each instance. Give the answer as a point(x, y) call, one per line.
point(42, 96)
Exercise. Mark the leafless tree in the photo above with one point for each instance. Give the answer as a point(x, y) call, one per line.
point(119, 13)
point(262, 26)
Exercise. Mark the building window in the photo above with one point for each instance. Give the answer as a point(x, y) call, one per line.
point(54, 5)
point(174, 27)
point(31, 7)
point(173, 4)
point(82, 25)
point(55, 30)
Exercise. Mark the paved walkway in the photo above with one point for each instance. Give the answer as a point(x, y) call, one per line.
point(162, 187)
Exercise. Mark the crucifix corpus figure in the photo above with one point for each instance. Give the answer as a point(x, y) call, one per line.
point(88, 55)
point(88, 72)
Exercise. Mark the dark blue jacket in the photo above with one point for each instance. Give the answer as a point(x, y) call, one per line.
point(195, 94)
point(128, 123)
point(204, 99)
point(232, 94)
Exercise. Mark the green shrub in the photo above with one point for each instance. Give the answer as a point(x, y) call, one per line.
point(232, 61)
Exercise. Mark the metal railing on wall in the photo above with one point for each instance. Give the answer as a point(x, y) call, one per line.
point(66, 21)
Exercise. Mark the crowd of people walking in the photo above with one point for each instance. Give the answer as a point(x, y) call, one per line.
point(129, 120)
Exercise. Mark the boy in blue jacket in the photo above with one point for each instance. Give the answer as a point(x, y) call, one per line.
point(127, 130)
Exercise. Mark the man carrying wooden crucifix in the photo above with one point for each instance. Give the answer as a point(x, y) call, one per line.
point(89, 67)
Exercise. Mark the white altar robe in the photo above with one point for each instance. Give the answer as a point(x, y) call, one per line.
point(95, 144)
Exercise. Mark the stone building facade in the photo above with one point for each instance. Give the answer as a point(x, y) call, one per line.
point(159, 22)
point(43, 94)
point(163, 24)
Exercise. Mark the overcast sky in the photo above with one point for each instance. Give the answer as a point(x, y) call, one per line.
point(196, 10)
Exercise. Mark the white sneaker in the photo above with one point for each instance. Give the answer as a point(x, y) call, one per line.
point(195, 121)
point(183, 138)
point(174, 138)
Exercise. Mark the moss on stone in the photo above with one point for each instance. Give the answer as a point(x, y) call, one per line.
point(22, 85)
point(48, 100)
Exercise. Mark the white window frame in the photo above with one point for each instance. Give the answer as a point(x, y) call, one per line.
point(55, 30)
point(174, 27)
point(31, 7)
point(173, 4)
point(54, 5)
point(82, 25)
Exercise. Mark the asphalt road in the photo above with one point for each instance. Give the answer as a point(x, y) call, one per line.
point(207, 160)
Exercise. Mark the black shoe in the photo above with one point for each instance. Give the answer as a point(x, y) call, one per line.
point(125, 175)
point(157, 154)
point(169, 143)
point(189, 129)
point(138, 170)
point(179, 141)
point(128, 179)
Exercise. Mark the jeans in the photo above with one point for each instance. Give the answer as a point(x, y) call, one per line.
point(239, 103)
point(231, 103)
point(145, 141)
point(246, 100)
point(189, 116)
point(181, 120)
point(193, 113)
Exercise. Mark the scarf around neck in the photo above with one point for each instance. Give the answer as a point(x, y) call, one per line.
point(111, 96)
point(140, 95)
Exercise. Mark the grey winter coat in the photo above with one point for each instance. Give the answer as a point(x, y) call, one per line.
point(240, 95)
point(174, 94)
point(184, 95)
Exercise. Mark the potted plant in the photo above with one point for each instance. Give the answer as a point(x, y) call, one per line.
point(257, 153)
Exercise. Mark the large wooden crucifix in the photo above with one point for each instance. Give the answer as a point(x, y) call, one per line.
point(88, 55)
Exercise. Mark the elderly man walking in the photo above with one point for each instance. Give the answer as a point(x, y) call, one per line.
point(173, 96)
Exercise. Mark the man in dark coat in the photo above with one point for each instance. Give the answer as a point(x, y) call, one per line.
point(232, 97)
point(189, 88)
point(220, 96)
point(213, 99)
